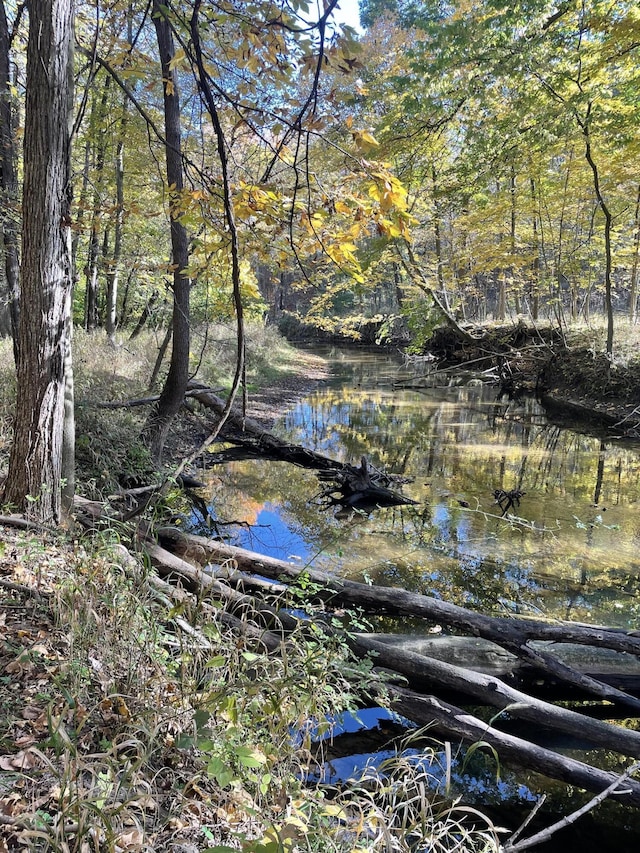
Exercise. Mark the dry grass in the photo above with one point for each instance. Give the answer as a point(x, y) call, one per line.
point(108, 448)
point(131, 724)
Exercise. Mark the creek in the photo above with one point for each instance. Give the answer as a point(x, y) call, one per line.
point(570, 550)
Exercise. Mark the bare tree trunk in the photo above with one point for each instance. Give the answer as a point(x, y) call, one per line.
point(633, 285)
point(98, 119)
point(172, 395)
point(146, 313)
point(512, 239)
point(80, 207)
point(535, 287)
point(35, 464)
point(437, 236)
point(8, 182)
point(164, 346)
point(113, 270)
point(608, 224)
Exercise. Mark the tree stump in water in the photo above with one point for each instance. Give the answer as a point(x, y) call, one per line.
point(362, 488)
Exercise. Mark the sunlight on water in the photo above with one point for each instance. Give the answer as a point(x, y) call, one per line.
point(570, 549)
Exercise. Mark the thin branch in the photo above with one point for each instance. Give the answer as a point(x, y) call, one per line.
point(545, 834)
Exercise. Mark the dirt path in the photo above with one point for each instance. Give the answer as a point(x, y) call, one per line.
point(275, 399)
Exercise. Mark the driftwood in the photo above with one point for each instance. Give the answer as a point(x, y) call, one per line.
point(618, 669)
point(362, 488)
point(444, 719)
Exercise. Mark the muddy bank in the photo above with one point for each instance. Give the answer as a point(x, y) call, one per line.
point(574, 382)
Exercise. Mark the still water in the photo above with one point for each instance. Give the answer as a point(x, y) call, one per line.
point(571, 549)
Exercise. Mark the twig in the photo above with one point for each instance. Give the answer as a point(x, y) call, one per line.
point(545, 834)
point(29, 591)
point(627, 417)
point(525, 823)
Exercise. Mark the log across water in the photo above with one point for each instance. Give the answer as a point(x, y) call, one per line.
point(361, 487)
point(619, 669)
point(433, 676)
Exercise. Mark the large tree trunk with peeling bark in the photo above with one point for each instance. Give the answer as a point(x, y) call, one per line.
point(35, 465)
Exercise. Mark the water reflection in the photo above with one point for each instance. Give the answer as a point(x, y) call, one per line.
point(572, 551)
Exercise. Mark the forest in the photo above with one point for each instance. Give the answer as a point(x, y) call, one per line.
point(458, 180)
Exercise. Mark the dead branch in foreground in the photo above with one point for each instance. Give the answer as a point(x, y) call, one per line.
point(448, 720)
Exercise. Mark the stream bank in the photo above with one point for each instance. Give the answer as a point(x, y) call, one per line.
point(570, 375)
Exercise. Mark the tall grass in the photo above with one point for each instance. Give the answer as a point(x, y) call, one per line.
point(108, 447)
point(166, 728)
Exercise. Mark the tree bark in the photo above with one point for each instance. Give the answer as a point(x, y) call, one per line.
point(9, 182)
point(172, 394)
point(35, 464)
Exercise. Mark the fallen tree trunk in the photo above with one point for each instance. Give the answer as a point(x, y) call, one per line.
point(618, 669)
point(429, 674)
point(449, 721)
point(513, 634)
point(395, 601)
point(362, 487)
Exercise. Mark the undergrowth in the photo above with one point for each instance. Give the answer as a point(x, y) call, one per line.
point(136, 719)
point(109, 451)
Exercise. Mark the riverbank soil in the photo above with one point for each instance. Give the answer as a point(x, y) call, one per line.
point(567, 370)
point(265, 405)
point(269, 403)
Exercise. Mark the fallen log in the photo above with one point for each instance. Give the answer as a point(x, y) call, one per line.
point(362, 488)
point(447, 720)
point(450, 721)
point(512, 633)
point(619, 669)
point(429, 674)
point(173, 568)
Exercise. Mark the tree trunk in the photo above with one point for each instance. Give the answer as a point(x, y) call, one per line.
point(512, 239)
point(35, 464)
point(146, 313)
point(8, 182)
point(437, 237)
point(172, 395)
point(534, 289)
point(99, 132)
point(113, 269)
point(608, 225)
point(633, 284)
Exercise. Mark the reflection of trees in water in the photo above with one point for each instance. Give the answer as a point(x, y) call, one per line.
point(459, 445)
